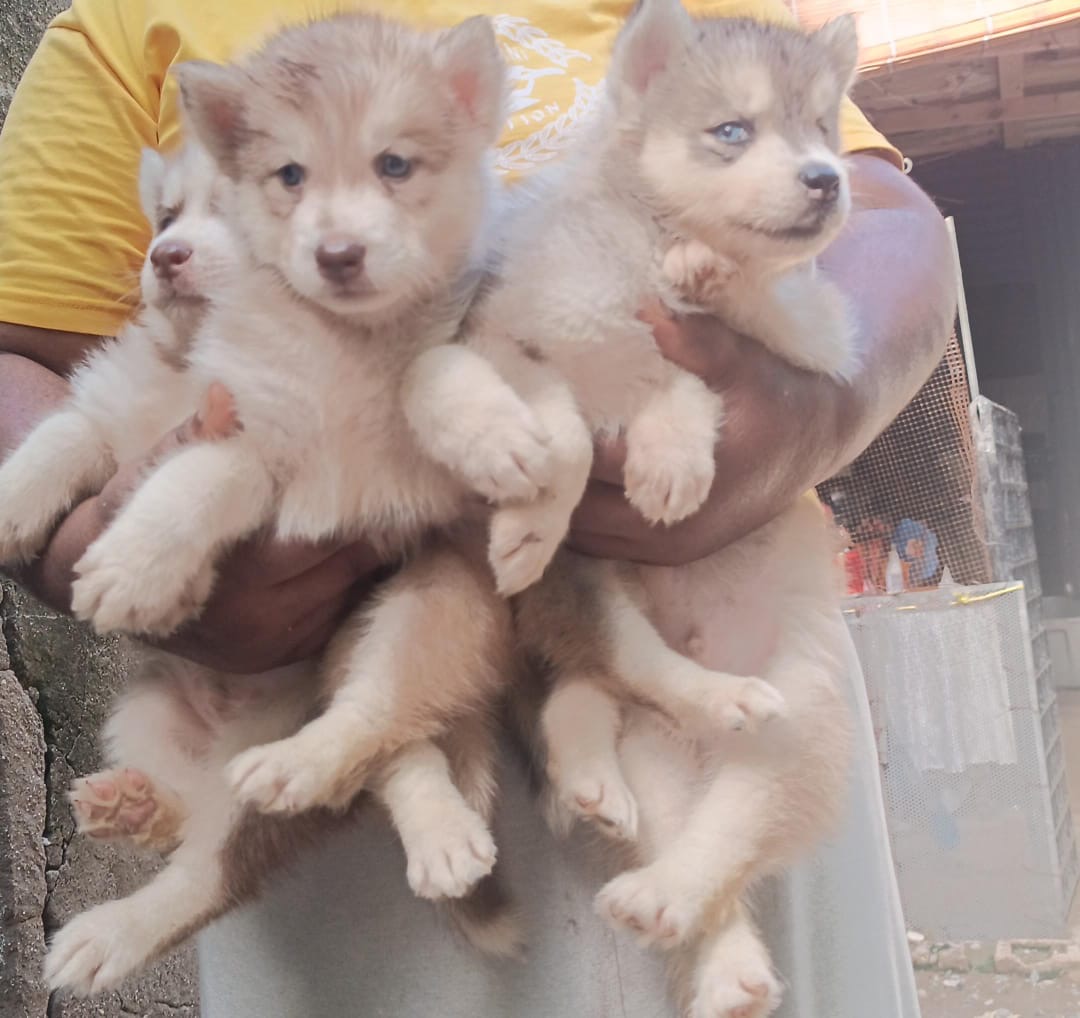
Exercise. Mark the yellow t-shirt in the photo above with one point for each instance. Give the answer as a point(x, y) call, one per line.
point(98, 90)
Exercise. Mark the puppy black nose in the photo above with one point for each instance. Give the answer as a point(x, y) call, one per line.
point(168, 257)
point(821, 180)
point(340, 259)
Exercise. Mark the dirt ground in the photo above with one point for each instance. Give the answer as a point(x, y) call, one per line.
point(988, 995)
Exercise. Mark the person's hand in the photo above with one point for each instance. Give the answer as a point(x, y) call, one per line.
point(776, 418)
point(273, 603)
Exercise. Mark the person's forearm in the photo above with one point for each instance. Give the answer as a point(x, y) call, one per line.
point(894, 264)
point(28, 391)
point(786, 430)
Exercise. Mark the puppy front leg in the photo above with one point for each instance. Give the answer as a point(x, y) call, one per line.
point(669, 449)
point(469, 419)
point(62, 458)
point(154, 567)
point(802, 316)
point(525, 536)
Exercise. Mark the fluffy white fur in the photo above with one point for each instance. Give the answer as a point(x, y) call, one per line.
point(711, 180)
point(316, 361)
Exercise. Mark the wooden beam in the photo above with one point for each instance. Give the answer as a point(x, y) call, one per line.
point(1045, 40)
point(1011, 86)
point(986, 111)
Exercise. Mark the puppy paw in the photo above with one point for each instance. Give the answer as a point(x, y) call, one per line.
point(23, 529)
point(126, 805)
point(697, 272)
point(97, 951)
point(666, 480)
point(522, 543)
point(742, 704)
point(449, 854)
point(294, 775)
point(116, 590)
point(503, 454)
point(661, 909)
point(736, 981)
point(600, 797)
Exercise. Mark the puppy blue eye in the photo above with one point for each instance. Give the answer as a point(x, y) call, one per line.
point(393, 166)
point(734, 132)
point(291, 174)
point(165, 222)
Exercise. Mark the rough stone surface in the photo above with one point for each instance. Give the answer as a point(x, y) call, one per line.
point(62, 683)
point(75, 677)
point(22, 855)
point(21, 25)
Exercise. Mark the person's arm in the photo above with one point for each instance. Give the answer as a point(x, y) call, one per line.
point(787, 430)
point(273, 602)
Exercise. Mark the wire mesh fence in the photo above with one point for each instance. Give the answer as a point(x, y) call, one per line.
point(915, 489)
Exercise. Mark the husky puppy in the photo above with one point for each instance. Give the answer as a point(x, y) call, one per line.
point(135, 386)
point(358, 233)
point(711, 179)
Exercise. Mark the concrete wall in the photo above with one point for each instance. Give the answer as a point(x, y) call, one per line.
point(55, 685)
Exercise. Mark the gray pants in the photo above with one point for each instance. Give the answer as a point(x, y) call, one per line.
point(344, 937)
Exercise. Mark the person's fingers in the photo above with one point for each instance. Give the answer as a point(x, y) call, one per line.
point(605, 511)
point(608, 460)
point(665, 326)
point(699, 344)
point(214, 420)
point(265, 561)
point(330, 579)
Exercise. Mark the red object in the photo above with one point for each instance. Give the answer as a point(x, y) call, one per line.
point(853, 570)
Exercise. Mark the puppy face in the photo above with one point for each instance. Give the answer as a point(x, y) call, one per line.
point(358, 153)
point(193, 253)
point(736, 126)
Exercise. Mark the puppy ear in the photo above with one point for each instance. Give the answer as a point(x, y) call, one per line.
point(656, 36)
point(469, 57)
point(840, 40)
point(151, 183)
point(212, 97)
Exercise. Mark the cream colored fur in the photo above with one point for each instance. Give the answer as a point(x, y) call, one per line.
point(692, 187)
point(316, 363)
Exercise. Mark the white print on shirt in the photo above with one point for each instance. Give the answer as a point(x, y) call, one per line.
point(533, 54)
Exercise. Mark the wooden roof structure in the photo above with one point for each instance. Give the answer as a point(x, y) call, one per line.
point(946, 76)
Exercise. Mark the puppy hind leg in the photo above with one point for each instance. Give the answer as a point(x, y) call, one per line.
point(448, 846)
point(677, 683)
point(431, 649)
point(581, 723)
point(100, 948)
